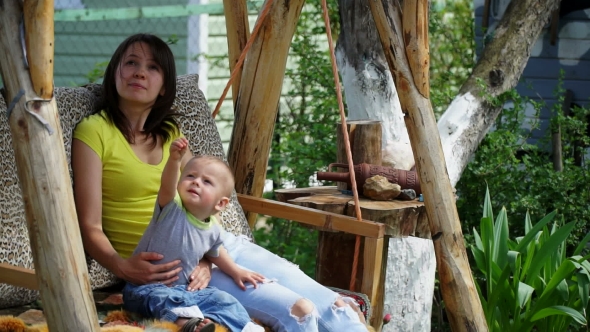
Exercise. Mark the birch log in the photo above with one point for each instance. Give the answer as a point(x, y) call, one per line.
point(462, 303)
point(258, 99)
point(53, 228)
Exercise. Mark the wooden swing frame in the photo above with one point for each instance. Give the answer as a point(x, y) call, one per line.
point(61, 270)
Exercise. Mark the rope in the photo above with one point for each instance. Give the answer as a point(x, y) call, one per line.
point(357, 207)
point(240, 62)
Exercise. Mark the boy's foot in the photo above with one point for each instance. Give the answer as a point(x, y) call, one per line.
point(198, 325)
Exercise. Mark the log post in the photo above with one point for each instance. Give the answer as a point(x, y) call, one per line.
point(258, 99)
point(365, 144)
point(54, 233)
point(401, 41)
point(238, 32)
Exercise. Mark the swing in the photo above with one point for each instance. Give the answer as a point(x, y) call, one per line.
point(199, 127)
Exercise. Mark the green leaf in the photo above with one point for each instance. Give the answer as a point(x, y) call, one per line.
point(582, 245)
point(525, 292)
point(583, 286)
point(500, 244)
point(533, 232)
point(547, 249)
point(560, 310)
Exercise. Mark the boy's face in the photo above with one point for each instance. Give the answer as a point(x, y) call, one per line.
point(202, 186)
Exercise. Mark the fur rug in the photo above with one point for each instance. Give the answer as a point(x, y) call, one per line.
point(116, 321)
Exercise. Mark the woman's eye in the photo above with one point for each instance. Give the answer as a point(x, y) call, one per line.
point(154, 67)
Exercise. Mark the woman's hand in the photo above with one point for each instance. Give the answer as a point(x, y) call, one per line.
point(139, 269)
point(201, 276)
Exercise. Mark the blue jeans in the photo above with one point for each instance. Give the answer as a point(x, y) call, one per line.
point(271, 302)
point(170, 303)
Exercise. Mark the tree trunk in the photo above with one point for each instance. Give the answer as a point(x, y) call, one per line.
point(401, 41)
point(258, 100)
point(409, 284)
point(469, 117)
point(367, 80)
point(37, 138)
point(371, 94)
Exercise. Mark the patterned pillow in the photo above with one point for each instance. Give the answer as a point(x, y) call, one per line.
point(73, 105)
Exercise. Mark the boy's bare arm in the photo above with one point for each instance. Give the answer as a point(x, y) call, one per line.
point(229, 267)
point(171, 171)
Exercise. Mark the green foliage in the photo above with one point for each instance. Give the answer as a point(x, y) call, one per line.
point(452, 50)
point(97, 72)
point(521, 175)
point(529, 283)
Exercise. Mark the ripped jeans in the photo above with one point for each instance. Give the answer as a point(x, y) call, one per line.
point(271, 302)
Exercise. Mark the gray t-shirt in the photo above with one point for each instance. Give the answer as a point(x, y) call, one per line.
point(177, 234)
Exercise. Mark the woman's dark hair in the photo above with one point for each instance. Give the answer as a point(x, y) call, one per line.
point(159, 122)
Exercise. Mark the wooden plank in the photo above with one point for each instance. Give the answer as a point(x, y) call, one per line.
point(373, 280)
point(131, 13)
point(325, 220)
point(18, 276)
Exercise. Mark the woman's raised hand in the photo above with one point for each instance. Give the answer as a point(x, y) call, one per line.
point(138, 269)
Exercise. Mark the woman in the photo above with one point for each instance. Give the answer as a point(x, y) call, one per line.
point(118, 156)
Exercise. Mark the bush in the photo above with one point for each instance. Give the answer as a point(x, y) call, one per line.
point(521, 175)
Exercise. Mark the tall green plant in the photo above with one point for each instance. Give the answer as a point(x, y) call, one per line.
point(529, 283)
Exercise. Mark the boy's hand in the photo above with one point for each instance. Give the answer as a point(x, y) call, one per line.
point(178, 148)
point(243, 276)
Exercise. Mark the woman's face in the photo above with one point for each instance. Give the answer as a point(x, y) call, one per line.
point(139, 79)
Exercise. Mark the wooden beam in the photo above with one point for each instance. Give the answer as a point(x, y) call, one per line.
point(39, 41)
point(18, 276)
point(462, 302)
point(324, 220)
point(238, 32)
point(43, 174)
point(260, 91)
point(373, 279)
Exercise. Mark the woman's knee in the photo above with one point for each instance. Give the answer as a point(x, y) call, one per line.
point(302, 308)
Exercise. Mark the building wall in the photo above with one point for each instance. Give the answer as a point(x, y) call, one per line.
point(571, 53)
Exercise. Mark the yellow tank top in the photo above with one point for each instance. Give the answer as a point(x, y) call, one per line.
point(129, 186)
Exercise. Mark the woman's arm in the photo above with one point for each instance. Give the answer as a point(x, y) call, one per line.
point(87, 168)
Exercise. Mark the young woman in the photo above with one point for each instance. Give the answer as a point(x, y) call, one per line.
point(118, 156)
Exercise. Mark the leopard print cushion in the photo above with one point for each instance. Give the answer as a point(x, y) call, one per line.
point(74, 104)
